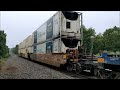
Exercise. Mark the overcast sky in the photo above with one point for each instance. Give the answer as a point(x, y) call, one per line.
point(19, 24)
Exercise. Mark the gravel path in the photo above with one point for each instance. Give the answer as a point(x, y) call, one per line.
point(19, 68)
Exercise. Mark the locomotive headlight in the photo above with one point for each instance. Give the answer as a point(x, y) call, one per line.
point(100, 60)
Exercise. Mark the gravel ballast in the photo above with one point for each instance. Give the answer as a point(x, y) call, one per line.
point(19, 68)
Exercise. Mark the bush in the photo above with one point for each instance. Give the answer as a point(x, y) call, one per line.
point(2, 62)
point(6, 55)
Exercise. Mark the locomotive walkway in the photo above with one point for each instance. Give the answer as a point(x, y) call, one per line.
point(19, 68)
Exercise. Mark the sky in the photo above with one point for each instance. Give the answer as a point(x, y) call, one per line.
point(20, 24)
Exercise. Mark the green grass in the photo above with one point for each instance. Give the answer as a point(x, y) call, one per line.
point(2, 62)
point(98, 54)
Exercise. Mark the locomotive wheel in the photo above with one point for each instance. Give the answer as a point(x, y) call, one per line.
point(69, 67)
point(78, 68)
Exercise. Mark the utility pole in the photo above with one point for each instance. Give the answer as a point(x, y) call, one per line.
point(92, 40)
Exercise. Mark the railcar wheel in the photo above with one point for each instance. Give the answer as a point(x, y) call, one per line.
point(78, 68)
point(69, 67)
point(28, 56)
point(113, 75)
point(118, 77)
point(92, 70)
point(96, 72)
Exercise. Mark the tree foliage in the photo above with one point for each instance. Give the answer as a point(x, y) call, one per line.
point(112, 39)
point(15, 49)
point(109, 40)
point(87, 33)
point(98, 43)
point(4, 50)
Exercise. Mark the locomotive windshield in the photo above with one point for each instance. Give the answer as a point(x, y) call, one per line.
point(70, 15)
point(71, 43)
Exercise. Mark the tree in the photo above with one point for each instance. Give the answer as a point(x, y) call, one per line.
point(109, 40)
point(4, 50)
point(15, 49)
point(87, 33)
point(98, 43)
point(112, 39)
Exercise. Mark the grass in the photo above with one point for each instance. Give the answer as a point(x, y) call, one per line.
point(98, 54)
point(2, 62)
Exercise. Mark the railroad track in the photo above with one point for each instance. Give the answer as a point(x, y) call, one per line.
point(79, 76)
point(83, 75)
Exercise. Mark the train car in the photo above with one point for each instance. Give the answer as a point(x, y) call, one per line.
point(56, 41)
point(59, 42)
point(108, 66)
point(25, 47)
